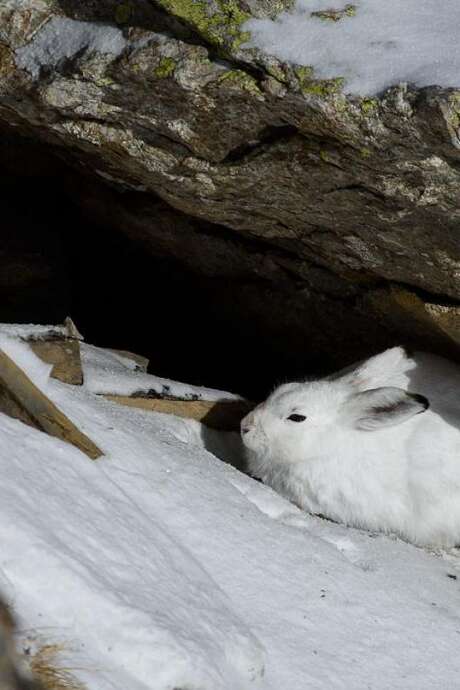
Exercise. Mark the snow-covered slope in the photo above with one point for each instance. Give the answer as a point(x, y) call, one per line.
point(161, 567)
point(374, 45)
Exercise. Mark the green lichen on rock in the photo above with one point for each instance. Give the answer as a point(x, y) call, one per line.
point(364, 152)
point(335, 15)
point(325, 87)
point(454, 109)
point(368, 105)
point(123, 12)
point(270, 8)
point(165, 68)
point(239, 38)
point(304, 75)
point(6, 62)
point(242, 80)
point(317, 87)
point(104, 81)
point(350, 10)
point(218, 22)
point(270, 65)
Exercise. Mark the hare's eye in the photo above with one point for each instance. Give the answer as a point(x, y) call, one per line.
point(297, 417)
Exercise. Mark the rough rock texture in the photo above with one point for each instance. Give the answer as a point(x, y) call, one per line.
point(340, 215)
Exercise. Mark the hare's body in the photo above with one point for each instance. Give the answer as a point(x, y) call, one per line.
point(405, 486)
point(363, 454)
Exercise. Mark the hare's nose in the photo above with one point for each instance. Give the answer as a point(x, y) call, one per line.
point(247, 423)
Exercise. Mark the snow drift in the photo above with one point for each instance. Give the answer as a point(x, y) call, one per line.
point(373, 45)
point(161, 567)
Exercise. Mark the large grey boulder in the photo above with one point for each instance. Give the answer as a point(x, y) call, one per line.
point(343, 211)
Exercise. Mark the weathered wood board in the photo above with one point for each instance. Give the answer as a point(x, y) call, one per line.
point(220, 415)
point(20, 398)
point(64, 355)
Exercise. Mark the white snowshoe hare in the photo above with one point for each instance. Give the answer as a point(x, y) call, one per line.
point(376, 446)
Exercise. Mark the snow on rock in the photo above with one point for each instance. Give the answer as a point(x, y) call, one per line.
point(108, 372)
point(374, 45)
point(63, 38)
point(161, 567)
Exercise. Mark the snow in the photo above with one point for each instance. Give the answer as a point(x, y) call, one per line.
point(62, 38)
point(19, 352)
point(107, 372)
point(161, 567)
point(385, 43)
point(31, 331)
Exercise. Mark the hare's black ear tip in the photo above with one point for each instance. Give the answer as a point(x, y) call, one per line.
point(424, 402)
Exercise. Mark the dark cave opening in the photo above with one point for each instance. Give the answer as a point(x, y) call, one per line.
point(205, 304)
point(54, 262)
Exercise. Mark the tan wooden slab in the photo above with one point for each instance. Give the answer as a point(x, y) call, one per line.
point(64, 355)
point(222, 415)
point(20, 398)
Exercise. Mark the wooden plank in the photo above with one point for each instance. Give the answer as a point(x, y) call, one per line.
point(221, 415)
point(20, 398)
point(64, 355)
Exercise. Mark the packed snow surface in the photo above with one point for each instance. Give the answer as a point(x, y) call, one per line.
point(159, 567)
point(108, 372)
point(384, 43)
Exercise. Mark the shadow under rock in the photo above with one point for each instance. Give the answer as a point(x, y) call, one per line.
point(438, 380)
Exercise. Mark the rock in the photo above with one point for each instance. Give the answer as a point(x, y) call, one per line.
point(447, 318)
point(437, 325)
point(326, 199)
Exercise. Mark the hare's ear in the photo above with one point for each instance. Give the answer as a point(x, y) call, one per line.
point(383, 407)
point(385, 368)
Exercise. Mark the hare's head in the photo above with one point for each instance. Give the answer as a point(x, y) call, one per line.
point(300, 418)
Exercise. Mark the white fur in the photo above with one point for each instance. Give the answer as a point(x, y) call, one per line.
point(355, 463)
